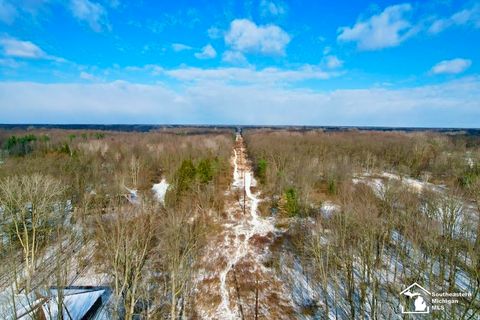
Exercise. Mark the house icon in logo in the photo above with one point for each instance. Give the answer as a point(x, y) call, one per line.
point(416, 299)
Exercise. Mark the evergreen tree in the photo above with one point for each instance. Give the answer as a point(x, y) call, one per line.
point(185, 176)
point(205, 171)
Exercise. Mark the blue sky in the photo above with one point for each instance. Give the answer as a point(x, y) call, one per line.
point(374, 63)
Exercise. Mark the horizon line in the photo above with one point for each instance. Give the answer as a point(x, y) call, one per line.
point(193, 125)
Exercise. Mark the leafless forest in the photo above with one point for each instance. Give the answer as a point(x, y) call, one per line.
point(212, 224)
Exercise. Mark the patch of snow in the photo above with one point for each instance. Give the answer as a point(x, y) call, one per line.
point(160, 189)
point(132, 195)
point(329, 208)
point(377, 185)
point(469, 160)
point(414, 184)
point(237, 180)
point(243, 230)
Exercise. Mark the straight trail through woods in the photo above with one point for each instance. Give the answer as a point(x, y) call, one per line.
point(234, 280)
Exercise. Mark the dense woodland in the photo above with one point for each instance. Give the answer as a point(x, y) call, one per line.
point(69, 194)
point(373, 235)
point(359, 215)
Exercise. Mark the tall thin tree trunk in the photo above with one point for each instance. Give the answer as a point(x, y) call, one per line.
point(174, 298)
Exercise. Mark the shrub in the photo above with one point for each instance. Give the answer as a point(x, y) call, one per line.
point(469, 176)
point(20, 146)
point(44, 138)
point(289, 204)
point(65, 148)
point(262, 170)
point(332, 186)
point(99, 135)
point(185, 176)
point(205, 171)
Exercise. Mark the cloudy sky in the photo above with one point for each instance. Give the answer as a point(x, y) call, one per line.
point(373, 63)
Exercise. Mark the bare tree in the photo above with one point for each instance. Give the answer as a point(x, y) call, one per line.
point(474, 190)
point(178, 249)
point(125, 240)
point(319, 251)
point(134, 171)
point(450, 212)
point(29, 204)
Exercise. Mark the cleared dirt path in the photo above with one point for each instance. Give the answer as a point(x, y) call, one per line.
point(235, 280)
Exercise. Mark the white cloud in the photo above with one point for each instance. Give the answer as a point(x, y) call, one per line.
point(89, 77)
point(177, 47)
point(271, 8)
point(8, 13)
point(12, 10)
point(250, 75)
point(438, 26)
point(387, 29)
point(25, 49)
point(469, 16)
point(118, 102)
point(245, 36)
point(208, 52)
point(214, 33)
point(22, 49)
point(234, 57)
point(152, 69)
point(238, 75)
point(453, 66)
point(449, 104)
point(9, 63)
point(94, 14)
point(332, 62)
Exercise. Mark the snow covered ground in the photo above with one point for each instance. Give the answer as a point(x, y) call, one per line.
point(328, 208)
point(378, 182)
point(160, 189)
point(236, 258)
point(243, 233)
point(400, 260)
